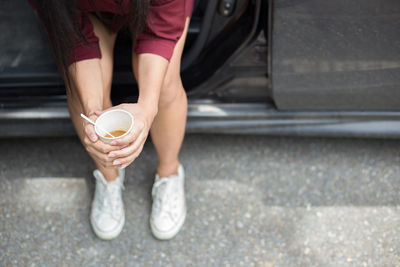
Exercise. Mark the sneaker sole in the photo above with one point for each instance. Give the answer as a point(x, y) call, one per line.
point(171, 233)
point(108, 235)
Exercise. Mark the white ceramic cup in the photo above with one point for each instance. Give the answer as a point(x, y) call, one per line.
point(113, 120)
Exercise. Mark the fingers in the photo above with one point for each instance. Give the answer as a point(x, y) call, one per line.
point(133, 134)
point(100, 150)
point(90, 132)
point(129, 150)
point(123, 162)
point(101, 158)
point(100, 145)
point(89, 128)
point(127, 155)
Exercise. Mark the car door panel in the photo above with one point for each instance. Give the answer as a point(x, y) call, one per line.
point(336, 55)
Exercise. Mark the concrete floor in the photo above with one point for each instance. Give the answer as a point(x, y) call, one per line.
point(252, 201)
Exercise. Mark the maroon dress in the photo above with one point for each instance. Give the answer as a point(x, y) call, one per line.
point(164, 26)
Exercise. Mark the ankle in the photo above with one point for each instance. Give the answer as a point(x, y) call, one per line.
point(167, 169)
point(110, 174)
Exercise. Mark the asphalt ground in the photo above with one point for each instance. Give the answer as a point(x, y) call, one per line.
point(252, 201)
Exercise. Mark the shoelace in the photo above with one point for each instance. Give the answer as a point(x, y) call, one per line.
point(161, 197)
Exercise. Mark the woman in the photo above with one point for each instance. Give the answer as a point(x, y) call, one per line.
point(82, 34)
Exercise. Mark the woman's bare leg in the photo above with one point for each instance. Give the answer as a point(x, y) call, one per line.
point(83, 74)
point(168, 128)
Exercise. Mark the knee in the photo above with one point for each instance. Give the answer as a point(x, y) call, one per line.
point(172, 89)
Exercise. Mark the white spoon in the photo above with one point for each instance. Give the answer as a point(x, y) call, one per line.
point(92, 122)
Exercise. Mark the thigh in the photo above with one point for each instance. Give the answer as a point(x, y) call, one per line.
point(106, 43)
point(174, 67)
point(172, 75)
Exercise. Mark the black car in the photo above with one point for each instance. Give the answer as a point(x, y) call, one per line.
point(300, 67)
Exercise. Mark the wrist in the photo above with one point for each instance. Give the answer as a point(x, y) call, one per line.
point(150, 110)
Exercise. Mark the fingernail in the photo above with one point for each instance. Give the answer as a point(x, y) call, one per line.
point(116, 162)
point(94, 137)
point(113, 143)
point(111, 155)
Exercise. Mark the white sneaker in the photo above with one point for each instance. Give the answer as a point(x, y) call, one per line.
point(108, 216)
point(168, 211)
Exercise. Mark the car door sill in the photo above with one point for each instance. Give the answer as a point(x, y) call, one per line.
point(232, 118)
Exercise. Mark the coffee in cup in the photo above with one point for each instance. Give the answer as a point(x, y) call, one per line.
point(118, 122)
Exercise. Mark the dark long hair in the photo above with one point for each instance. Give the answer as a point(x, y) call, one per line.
point(61, 19)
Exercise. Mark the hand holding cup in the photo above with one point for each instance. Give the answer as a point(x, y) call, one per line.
point(130, 144)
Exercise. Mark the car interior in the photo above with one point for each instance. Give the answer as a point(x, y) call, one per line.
point(28, 75)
